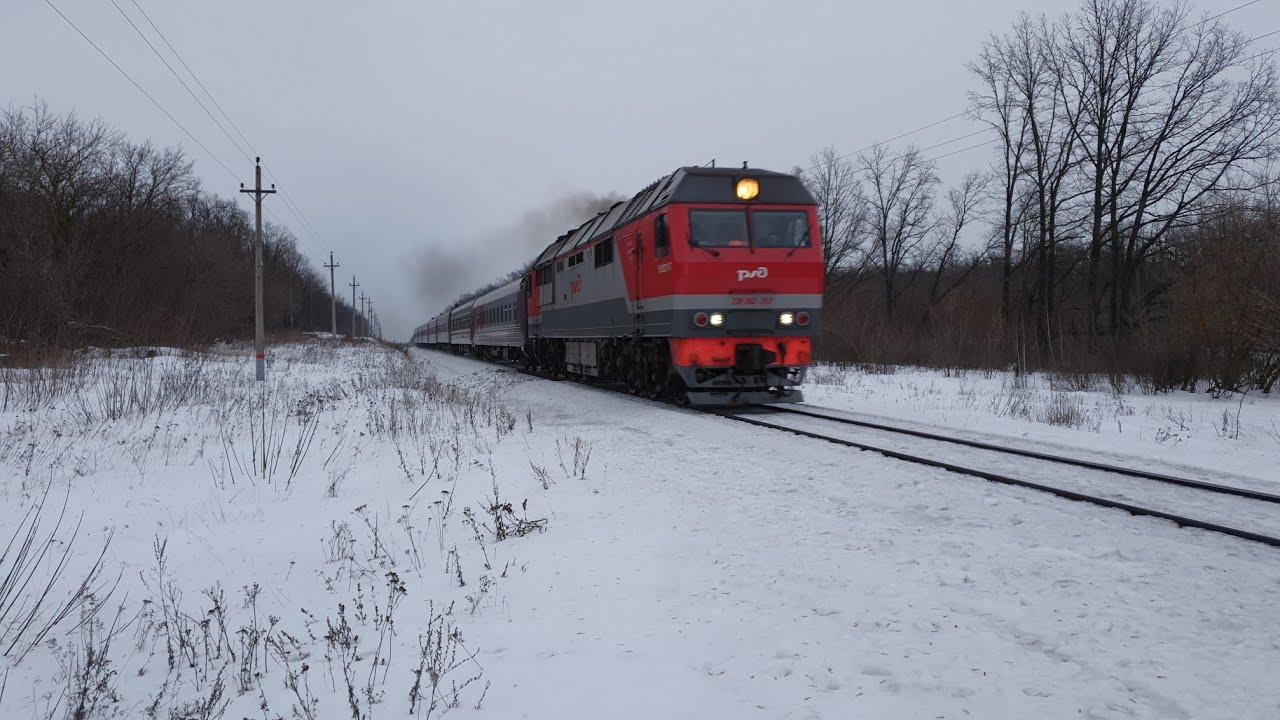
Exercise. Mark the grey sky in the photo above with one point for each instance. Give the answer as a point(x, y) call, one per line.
point(420, 134)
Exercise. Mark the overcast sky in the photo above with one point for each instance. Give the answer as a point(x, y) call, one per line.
point(424, 141)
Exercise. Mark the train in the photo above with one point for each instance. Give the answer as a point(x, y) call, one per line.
point(706, 287)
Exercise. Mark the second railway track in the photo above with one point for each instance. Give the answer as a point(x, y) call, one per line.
point(1230, 510)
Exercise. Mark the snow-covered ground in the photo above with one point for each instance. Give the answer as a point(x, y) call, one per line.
point(655, 562)
point(1224, 436)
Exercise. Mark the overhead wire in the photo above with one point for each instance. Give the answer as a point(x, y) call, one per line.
point(142, 90)
point(1227, 12)
point(195, 77)
point(249, 155)
point(178, 77)
point(962, 113)
point(212, 155)
point(922, 128)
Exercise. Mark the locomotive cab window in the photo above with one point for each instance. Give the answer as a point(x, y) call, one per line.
point(604, 253)
point(718, 228)
point(661, 240)
point(780, 228)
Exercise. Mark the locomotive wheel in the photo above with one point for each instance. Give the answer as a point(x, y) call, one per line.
point(635, 380)
point(679, 392)
point(655, 386)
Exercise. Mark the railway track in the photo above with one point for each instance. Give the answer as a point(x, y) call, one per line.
point(1184, 501)
point(1229, 510)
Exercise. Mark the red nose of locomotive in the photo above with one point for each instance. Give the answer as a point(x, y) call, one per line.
point(748, 299)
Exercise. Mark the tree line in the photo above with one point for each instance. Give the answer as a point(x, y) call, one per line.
point(108, 241)
point(1127, 222)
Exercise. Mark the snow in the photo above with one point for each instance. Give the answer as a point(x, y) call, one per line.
point(689, 566)
point(1231, 436)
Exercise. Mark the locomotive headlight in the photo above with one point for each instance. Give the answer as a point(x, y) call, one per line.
point(717, 319)
point(748, 188)
point(786, 318)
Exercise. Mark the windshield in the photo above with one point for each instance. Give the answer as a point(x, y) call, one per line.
point(718, 228)
point(768, 229)
point(780, 228)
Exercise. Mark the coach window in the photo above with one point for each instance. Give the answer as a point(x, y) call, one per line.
point(604, 253)
point(661, 243)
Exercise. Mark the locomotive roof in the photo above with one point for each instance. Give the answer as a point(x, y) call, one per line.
point(686, 184)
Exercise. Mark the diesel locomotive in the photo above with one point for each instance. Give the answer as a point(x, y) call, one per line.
point(705, 286)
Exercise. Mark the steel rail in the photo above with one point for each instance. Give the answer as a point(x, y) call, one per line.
point(1133, 472)
point(1006, 480)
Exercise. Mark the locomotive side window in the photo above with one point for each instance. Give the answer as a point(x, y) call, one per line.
point(604, 253)
point(718, 228)
point(661, 241)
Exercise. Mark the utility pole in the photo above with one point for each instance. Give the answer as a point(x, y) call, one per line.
point(354, 285)
point(363, 328)
point(369, 319)
point(259, 335)
point(333, 297)
point(259, 341)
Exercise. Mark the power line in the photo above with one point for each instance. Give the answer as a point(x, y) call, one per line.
point(1273, 32)
point(899, 137)
point(177, 55)
point(957, 152)
point(1227, 12)
point(140, 89)
point(293, 206)
point(962, 113)
point(178, 77)
point(290, 205)
point(956, 139)
point(1264, 52)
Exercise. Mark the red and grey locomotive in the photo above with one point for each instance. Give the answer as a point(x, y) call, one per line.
point(706, 285)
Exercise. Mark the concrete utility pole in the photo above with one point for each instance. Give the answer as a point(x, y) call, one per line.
point(259, 340)
point(364, 326)
point(369, 319)
point(259, 335)
point(354, 285)
point(333, 296)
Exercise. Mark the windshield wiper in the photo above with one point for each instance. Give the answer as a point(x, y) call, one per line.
point(694, 243)
point(803, 241)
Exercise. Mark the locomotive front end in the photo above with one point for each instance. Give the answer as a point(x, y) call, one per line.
point(748, 291)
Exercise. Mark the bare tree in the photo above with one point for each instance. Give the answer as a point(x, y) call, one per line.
point(946, 256)
point(1167, 108)
point(997, 103)
point(842, 209)
point(900, 199)
point(102, 239)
